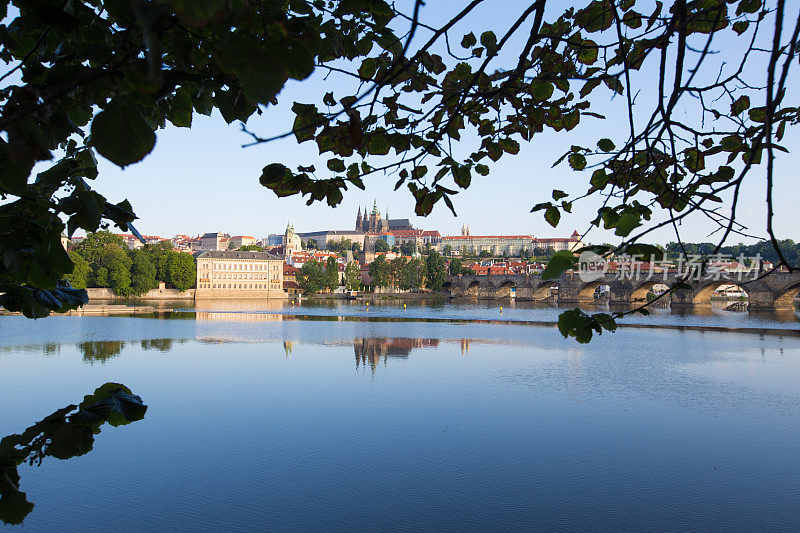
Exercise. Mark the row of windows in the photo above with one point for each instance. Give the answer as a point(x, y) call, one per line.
point(237, 286)
point(240, 266)
point(242, 275)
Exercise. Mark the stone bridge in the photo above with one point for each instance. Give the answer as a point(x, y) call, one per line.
point(775, 291)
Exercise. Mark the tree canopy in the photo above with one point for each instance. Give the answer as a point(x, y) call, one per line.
point(431, 106)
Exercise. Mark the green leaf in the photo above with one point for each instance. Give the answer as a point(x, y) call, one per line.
point(481, 169)
point(509, 145)
point(260, 69)
point(758, 114)
point(468, 40)
point(559, 263)
point(626, 224)
point(605, 145)
point(462, 176)
point(336, 165)
point(489, 41)
point(740, 26)
point(577, 161)
point(552, 215)
point(742, 103)
point(587, 54)
point(121, 135)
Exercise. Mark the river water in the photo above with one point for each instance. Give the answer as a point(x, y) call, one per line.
point(292, 419)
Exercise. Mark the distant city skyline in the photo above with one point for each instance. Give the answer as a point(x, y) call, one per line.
point(202, 180)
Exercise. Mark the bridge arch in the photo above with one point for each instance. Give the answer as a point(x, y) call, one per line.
point(786, 299)
point(473, 289)
point(504, 288)
point(640, 292)
point(703, 294)
point(544, 290)
point(587, 291)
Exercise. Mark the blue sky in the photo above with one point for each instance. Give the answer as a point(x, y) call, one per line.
point(201, 179)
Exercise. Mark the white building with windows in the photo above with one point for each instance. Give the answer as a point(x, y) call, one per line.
point(232, 274)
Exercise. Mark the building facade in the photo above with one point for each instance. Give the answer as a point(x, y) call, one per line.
point(557, 244)
point(214, 242)
point(509, 245)
point(231, 274)
point(236, 242)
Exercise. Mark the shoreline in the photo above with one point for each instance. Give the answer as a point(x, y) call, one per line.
point(169, 313)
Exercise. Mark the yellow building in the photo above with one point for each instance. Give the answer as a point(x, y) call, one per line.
point(234, 274)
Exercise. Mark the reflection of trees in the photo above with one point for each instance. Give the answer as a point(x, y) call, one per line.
point(162, 345)
point(100, 350)
point(63, 434)
point(373, 348)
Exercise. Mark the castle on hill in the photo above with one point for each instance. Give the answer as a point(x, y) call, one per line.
point(374, 223)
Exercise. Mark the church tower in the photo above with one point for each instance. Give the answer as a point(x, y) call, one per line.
point(359, 221)
point(291, 242)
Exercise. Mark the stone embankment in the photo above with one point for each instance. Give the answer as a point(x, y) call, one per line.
point(161, 293)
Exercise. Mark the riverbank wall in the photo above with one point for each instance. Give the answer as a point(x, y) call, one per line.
point(162, 293)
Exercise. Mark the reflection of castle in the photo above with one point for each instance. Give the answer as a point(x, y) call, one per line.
point(373, 223)
point(372, 349)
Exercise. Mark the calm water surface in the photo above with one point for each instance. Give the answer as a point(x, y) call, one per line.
point(256, 422)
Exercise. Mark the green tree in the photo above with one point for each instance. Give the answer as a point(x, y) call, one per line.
point(311, 244)
point(332, 273)
point(143, 272)
point(485, 253)
point(436, 271)
point(448, 250)
point(380, 271)
point(352, 276)
point(81, 273)
point(356, 247)
point(251, 248)
point(408, 248)
point(339, 246)
point(312, 277)
point(397, 268)
point(118, 266)
point(412, 275)
point(455, 267)
point(181, 271)
point(159, 254)
point(92, 246)
point(381, 246)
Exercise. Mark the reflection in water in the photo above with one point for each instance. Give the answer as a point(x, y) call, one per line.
point(100, 351)
point(162, 345)
point(372, 349)
point(62, 435)
point(97, 351)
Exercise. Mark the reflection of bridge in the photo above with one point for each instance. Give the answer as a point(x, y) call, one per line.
point(775, 291)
